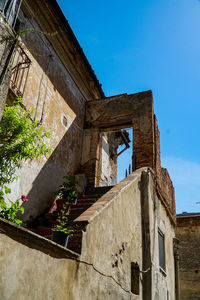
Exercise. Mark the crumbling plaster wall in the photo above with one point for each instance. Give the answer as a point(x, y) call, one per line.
point(111, 242)
point(106, 171)
point(34, 268)
point(52, 94)
point(188, 234)
point(163, 283)
point(116, 113)
point(113, 239)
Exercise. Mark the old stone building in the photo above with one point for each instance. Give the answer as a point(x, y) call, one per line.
point(188, 234)
point(123, 242)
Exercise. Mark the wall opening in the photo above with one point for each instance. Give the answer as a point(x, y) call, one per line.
point(124, 160)
point(112, 146)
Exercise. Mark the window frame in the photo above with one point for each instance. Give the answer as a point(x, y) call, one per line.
point(10, 10)
point(161, 250)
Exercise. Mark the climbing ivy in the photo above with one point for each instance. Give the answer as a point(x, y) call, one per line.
point(21, 139)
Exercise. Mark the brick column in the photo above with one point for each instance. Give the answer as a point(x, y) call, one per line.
point(143, 141)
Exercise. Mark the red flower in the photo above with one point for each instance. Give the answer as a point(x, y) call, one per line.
point(71, 174)
point(24, 199)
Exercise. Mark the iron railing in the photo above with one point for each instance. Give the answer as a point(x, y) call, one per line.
point(20, 72)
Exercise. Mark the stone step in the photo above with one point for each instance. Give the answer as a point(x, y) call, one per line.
point(79, 209)
point(75, 210)
point(89, 198)
point(98, 190)
point(81, 205)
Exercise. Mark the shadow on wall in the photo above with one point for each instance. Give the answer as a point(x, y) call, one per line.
point(67, 154)
point(65, 157)
point(55, 70)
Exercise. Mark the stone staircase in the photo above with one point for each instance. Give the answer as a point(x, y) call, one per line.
point(84, 202)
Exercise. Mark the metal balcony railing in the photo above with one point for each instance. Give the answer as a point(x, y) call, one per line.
point(20, 72)
point(10, 9)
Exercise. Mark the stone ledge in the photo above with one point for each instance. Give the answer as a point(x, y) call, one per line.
point(34, 241)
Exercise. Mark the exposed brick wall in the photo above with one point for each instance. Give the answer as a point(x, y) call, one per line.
point(135, 111)
point(89, 168)
point(123, 111)
point(157, 161)
point(165, 185)
point(188, 233)
point(167, 190)
point(143, 141)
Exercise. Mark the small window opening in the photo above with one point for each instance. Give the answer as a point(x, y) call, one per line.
point(161, 244)
point(135, 278)
point(65, 122)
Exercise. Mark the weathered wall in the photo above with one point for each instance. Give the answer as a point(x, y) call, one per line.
point(106, 170)
point(188, 234)
point(113, 239)
point(116, 113)
point(34, 268)
point(164, 184)
point(52, 94)
point(163, 283)
point(6, 42)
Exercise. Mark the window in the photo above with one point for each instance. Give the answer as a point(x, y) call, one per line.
point(10, 9)
point(161, 244)
point(20, 72)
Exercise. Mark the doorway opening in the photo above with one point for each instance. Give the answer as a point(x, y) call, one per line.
point(114, 152)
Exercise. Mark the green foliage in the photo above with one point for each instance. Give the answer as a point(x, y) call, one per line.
point(129, 169)
point(10, 213)
point(62, 220)
point(33, 30)
point(21, 138)
point(128, 172)
point(68, 189)
point(69, 192)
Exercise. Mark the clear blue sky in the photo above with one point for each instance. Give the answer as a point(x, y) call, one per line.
point(136, 45)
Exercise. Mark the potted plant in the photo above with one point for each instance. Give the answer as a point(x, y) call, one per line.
point(61, 232)
point(67, 190)
point(67, 193)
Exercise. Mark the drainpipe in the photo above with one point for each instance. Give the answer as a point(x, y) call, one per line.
point(176, 268)
point(146, 242)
